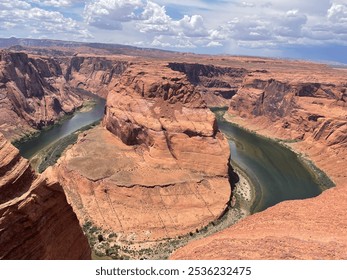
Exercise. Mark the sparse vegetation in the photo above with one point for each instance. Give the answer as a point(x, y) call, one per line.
point(49, 156)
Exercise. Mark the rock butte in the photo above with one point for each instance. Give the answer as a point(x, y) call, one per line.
point(158, 167)
point(36, 222)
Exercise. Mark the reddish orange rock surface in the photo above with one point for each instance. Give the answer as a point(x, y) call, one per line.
point(36, 90)
point(308, 229)
point(94, 73)
point(36, 222)
point(159, 166)
point(33, 93)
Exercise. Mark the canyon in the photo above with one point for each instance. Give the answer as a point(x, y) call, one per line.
point(37, 91)
point(157, 168)
point(33, 94)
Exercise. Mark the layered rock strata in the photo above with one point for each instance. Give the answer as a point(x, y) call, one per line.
point(36, 222)
point(36, 91)
point(159, 166)
point(308, 111)
point(295, 110)
point(95, 74)
point(217, 84)
point(33, 93)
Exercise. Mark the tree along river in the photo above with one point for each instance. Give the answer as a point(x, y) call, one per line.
point(47, 137)
point(276, 172)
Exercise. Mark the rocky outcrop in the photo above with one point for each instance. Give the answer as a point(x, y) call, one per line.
point(216, 84)
point(36, 222)
point(33, 93)
point(308, 229)
point(159, 166)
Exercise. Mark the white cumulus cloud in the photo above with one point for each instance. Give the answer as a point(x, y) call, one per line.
point(109, 14)
point(27, 20)
point(224, 25)
point(14, 4)
point(56, 3)
point(337, 13)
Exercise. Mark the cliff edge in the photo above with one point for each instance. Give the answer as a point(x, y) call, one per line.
point(36, 222)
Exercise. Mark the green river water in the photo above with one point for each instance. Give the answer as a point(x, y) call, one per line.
point(30, 148)
point(276, 172)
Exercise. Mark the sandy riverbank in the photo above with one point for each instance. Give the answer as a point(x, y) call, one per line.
point(244, 192)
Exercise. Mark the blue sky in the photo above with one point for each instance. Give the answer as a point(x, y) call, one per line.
point(309, 29)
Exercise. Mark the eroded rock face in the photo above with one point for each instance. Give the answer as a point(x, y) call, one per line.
point(95, 74)
point(295, 110)
point(33, 93)
point(159, 166)
point(36, 222)
point(216, 84)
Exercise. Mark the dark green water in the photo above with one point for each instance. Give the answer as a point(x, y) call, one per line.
point(277, 173)
point(80, 119)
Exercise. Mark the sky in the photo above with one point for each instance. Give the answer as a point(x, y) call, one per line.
point(305, 29)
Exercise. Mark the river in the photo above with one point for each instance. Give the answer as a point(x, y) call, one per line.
point(276, 172)
point(30, 148)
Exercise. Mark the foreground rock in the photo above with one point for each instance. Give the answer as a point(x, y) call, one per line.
point(307, 110)
point(36, 222)
point(159, 166)
point(307, 229)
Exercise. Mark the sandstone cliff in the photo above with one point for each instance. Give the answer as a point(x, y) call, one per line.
point(33, 93)
point(36, 222)
point(95, 74)
point(307, 110)
point(159, 166)
point(297, 110)
point(306, 229)
point(217, 84)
